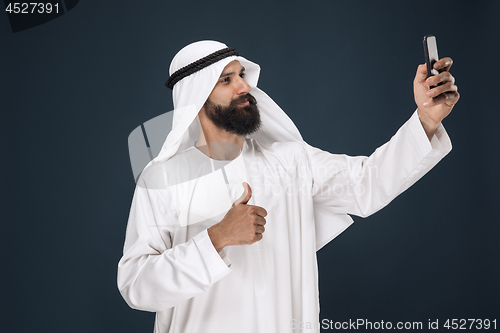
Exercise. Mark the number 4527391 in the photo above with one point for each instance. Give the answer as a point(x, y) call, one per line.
point(31, 8)
point(463, 324)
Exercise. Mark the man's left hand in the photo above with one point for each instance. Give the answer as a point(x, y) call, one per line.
point(434, 104)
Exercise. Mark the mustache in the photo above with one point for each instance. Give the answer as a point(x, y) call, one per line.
point(243, 98)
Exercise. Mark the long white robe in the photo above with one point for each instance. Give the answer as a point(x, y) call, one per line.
point(170, 266)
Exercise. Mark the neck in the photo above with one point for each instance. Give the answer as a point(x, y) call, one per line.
point(215, 143)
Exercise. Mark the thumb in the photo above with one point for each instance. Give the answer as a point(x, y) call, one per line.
point(421, 73)
point(247, 194)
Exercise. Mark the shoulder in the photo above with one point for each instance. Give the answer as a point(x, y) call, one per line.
point(152, 177)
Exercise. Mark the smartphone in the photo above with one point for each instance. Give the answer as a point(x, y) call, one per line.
point(431, 54)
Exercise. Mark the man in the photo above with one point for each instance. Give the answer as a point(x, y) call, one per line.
point(208, 258)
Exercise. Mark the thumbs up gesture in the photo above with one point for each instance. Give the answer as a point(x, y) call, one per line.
point(243, 223)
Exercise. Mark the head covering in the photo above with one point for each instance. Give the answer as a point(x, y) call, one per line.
point(189, 96)
point(191, 92)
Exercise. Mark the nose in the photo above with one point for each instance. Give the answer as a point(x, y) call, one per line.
point(243, 87)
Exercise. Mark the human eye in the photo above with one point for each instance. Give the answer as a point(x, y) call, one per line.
point(225, 80)
point(242, 75)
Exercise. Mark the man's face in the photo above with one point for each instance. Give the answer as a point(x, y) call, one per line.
point(230, 106)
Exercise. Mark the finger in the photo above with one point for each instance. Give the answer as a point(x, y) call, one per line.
point(247, 194)
point(260, 220)
point(443, 64)
point(260, 211)
point(421, 73)
point(449, 98)
point(441, 77)
point(259, 229)
point(448, 86)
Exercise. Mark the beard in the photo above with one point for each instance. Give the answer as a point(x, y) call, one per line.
point(239, 120)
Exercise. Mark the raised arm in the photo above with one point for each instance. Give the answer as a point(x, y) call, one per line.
point(362, 185)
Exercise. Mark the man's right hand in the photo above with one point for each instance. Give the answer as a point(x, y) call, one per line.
point(243, 223)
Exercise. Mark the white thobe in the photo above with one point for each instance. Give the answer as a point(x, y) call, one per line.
point(170, 266)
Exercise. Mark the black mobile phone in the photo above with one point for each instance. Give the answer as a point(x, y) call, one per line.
point(431, 54)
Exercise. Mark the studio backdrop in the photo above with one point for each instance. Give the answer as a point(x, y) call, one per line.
point(76, 81)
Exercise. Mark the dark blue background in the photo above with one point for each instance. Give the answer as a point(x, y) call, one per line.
point(74, 88)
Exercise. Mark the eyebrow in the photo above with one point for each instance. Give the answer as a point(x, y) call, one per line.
point(231, 73)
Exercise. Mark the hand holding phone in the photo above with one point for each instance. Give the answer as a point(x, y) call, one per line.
point(434, 90)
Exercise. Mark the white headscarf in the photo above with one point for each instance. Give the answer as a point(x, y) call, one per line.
point(191, 92)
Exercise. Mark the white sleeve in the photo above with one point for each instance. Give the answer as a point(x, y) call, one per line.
point(363, 185)
point(153, 275)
